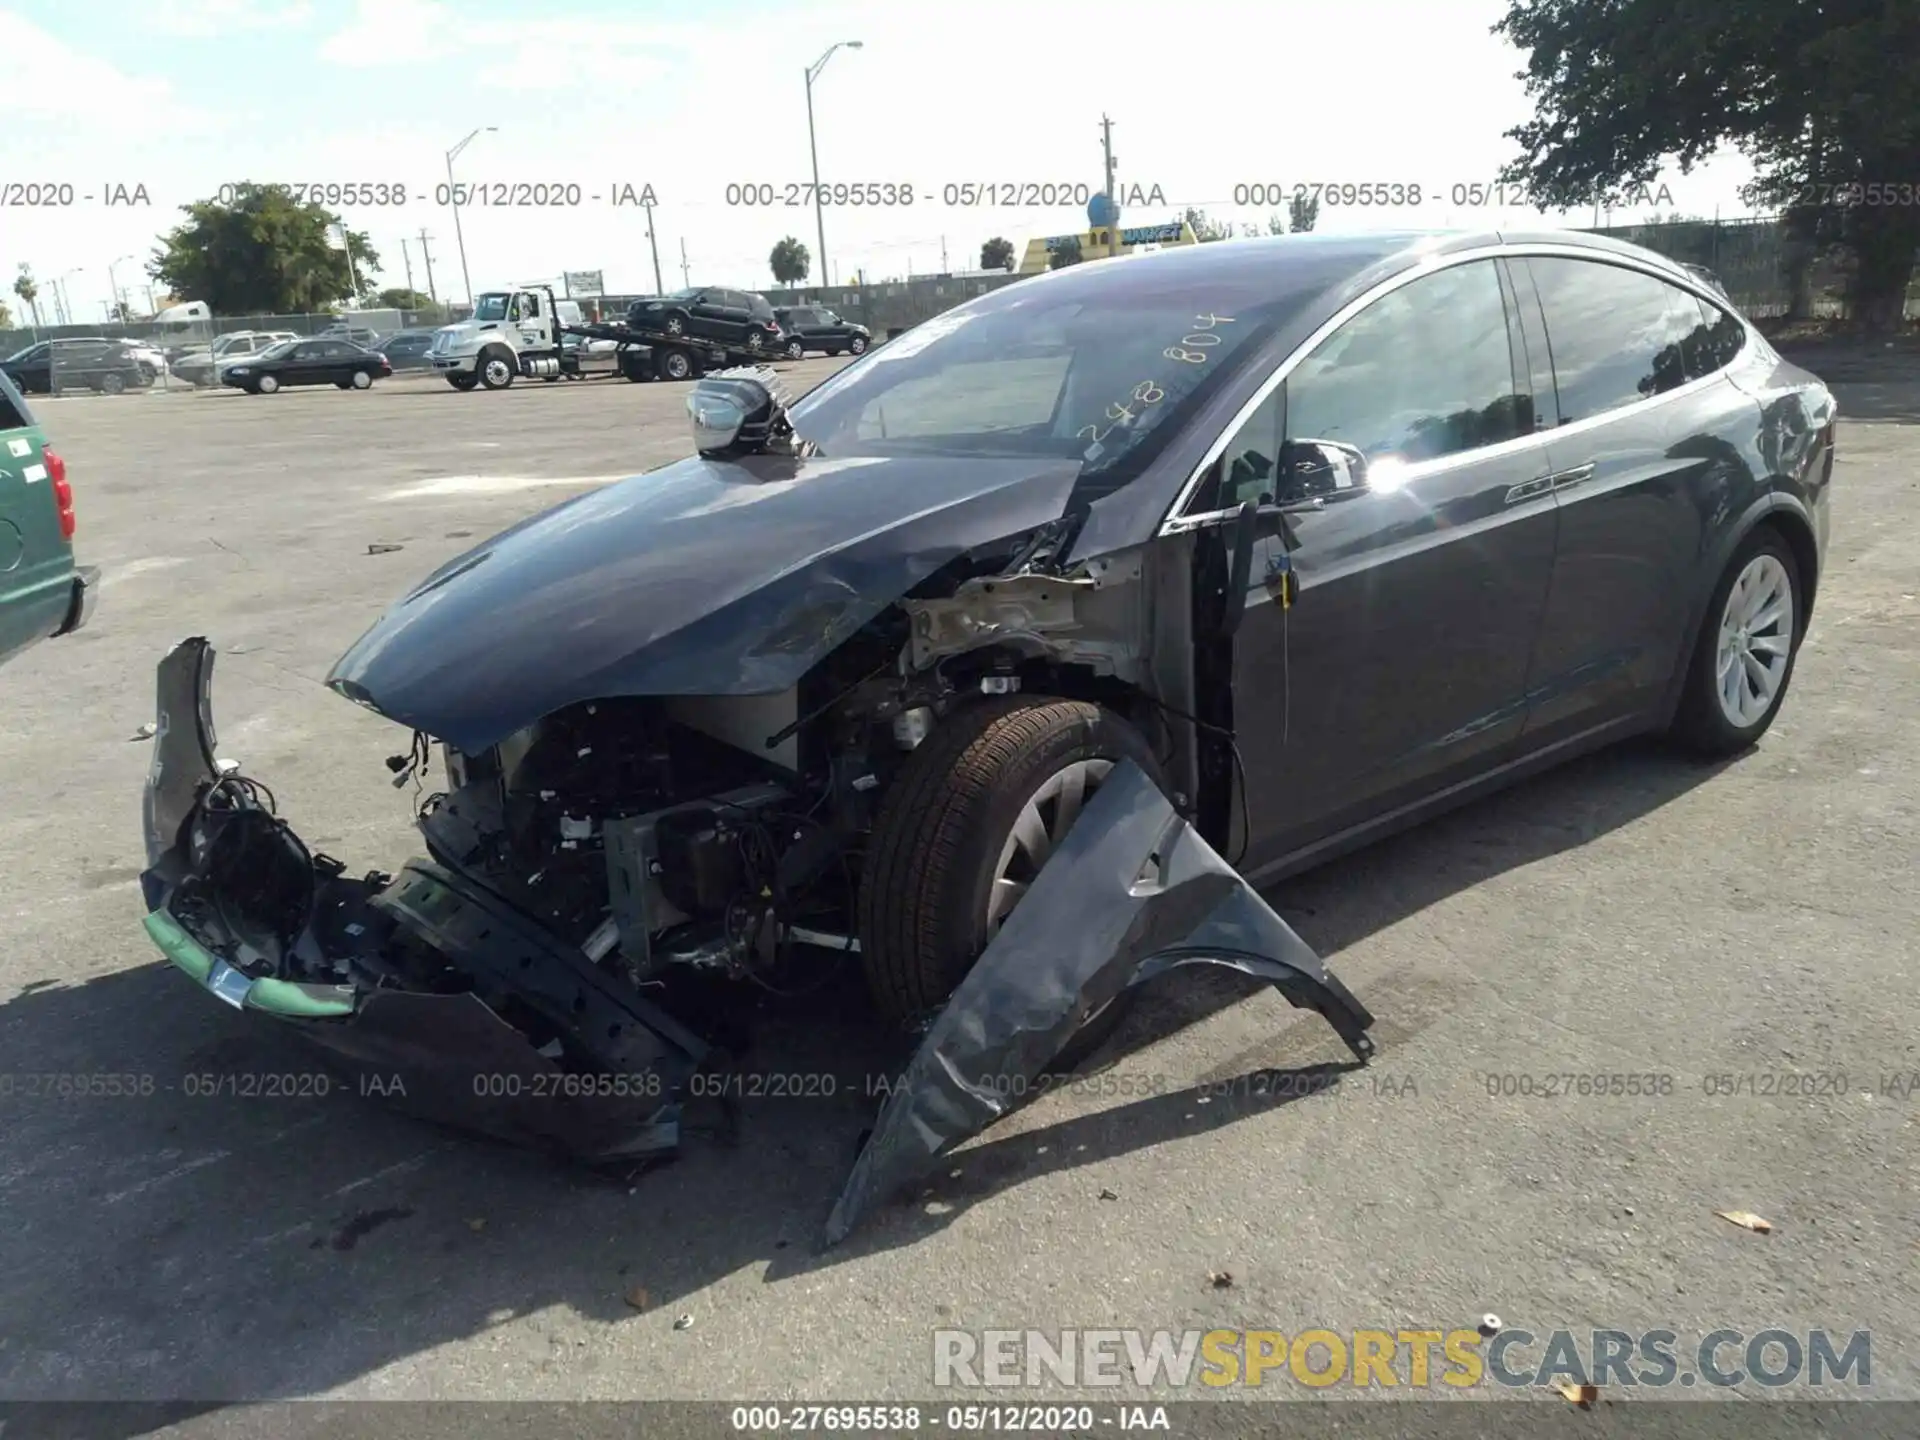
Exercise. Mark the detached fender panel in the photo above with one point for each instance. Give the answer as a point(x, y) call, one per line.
point(1132, 892)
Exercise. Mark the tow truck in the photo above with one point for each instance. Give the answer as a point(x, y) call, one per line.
point(516, 335)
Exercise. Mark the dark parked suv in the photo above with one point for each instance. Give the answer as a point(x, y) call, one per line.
point(726, 317)
point(106, 365)
point(812, 327)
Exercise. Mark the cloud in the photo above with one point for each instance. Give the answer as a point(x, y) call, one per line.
point(560, 52)
point(48, 79)
point(201, 19)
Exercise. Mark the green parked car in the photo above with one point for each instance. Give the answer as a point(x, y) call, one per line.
point(42, 592)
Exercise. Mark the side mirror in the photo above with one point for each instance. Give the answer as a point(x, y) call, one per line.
point(1313, 473)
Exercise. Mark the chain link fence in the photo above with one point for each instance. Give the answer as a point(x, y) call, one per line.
point(147, 357)
point(1760, 265)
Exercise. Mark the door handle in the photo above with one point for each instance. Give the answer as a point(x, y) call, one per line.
point(1530, 489)
point(1567, 479)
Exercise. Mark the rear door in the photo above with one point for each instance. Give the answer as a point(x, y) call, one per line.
point(36, 561)
point(1646, 449)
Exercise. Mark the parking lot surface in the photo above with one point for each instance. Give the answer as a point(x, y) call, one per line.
point(1632, 915)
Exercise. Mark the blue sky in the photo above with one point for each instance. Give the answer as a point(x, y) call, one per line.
point(182, 95)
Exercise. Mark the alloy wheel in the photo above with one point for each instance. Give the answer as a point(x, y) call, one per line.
point(1756, 641)
point(1042, 824)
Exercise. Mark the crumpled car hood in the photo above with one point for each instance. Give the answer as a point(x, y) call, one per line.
point(703, 578)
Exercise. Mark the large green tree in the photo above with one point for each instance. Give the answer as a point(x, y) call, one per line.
point(790, 261)
point(1820, 94)
point(997, 254)
point(265, 254)
point(28, 289)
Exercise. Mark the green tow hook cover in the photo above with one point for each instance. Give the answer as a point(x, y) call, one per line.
point(178, 946)
point(275, 997)
point(300, 1002)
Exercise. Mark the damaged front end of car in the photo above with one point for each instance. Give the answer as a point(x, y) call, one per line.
point(683, 792)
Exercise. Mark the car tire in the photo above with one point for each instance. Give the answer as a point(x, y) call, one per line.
point(265, 385)
point(113, 384)
point(462, 382)
point(674, 364)
point(496, 369)
point(944, 840)
point(856, 345)
point(675, 324)
point(362, 380)
point(1749, 640)
point(796, 351)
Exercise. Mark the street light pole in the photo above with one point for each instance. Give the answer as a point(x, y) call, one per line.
point(113, 283)
point(453, 199)
point(819, 211)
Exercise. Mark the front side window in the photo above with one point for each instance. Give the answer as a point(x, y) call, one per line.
point(1617, 336)
point(1424, 372)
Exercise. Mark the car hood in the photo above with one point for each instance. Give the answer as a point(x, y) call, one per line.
point(703, 578)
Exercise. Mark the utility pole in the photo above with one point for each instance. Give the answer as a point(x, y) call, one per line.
point(654, 245)
point(427, 256)
point(409, 263)
point(1106, 146)
point(685, 278)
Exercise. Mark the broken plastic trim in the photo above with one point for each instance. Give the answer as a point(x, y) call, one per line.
point(447, 1057)
point(1133, 891)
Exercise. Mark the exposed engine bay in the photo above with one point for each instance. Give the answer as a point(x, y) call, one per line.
point(580, 866)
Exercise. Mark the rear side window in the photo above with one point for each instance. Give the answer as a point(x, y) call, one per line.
point(1616, 336)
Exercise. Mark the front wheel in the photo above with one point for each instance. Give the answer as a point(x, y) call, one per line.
point(266, 385)
point(969, 821)
point(675, 364)
point(361, 380)
point(496, 371)
point(795, 350)
point(1743, 661)
point(112, 384)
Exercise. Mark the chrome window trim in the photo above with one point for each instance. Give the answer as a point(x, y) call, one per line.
point(1176, 522)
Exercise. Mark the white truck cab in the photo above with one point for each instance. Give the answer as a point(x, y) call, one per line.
point(512, 333)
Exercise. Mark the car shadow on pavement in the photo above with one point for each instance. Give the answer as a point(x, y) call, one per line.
point(169, 1237)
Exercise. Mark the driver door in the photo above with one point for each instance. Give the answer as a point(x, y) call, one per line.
point(1393, 664)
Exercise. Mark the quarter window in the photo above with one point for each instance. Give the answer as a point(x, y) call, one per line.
point(1717, 344)
point(1616, 335)
point(1425, 371)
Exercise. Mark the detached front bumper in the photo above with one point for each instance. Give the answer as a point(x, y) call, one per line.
point(458, 1008)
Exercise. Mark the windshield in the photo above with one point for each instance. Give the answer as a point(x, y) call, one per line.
point(491, 307)
point(1099, 373)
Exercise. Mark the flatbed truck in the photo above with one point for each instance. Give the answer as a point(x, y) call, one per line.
point(517, 335)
